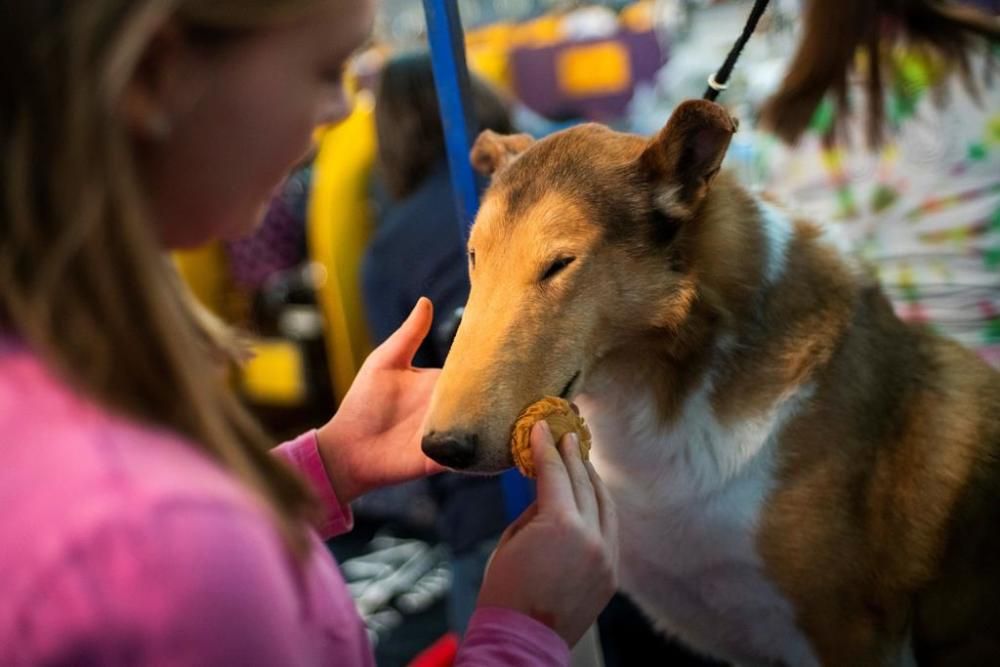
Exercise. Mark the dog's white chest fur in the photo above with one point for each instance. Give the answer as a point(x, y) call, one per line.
point(689, 497)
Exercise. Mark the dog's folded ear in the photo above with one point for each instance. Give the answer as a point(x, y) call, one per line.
point(492, 152)
point(685, 156)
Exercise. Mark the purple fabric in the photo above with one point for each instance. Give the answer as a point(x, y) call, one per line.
point(537, 86)
point(278, 244)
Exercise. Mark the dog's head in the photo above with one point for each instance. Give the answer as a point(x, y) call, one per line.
point(577, 249)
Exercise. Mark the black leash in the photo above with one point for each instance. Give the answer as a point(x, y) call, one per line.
point(718, 81)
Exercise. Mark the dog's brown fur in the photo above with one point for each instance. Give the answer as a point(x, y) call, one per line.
point(883, 525)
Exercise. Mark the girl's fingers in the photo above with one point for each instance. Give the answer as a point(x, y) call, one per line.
point(583, 488)
point(555, 490)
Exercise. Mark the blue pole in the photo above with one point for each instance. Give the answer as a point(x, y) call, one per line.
point(451, 80)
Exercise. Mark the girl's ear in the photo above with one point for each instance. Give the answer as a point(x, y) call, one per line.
point(169, 79)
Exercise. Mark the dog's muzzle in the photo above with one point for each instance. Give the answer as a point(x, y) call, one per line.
point(456, 451)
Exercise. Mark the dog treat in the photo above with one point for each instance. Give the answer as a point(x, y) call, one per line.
point(562, 419)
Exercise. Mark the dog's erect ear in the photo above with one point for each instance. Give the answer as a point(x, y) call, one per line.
point(492, 152)
point(685, 156)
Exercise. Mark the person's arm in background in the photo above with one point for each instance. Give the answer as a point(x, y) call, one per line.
point(382, 301)
point(388, 301)
point(417, 251)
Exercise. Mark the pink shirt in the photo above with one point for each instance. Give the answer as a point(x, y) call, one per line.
point(122, 545)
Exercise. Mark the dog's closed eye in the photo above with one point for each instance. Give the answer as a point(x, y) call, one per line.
point(555, 267)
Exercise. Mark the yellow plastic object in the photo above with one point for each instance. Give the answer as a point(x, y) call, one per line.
point(487, 50)
point(496, 35)
point(339, 225)
point(206, 273)
point(638, 17)
point(275, 375)
point(492, 64)
point(595, 69)
point(542, 31)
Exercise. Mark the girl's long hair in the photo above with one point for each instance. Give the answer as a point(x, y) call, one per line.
point(84, 281)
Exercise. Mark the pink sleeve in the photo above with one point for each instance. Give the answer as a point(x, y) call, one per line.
point(506, 637)
point(193, 584)
point(302, 453)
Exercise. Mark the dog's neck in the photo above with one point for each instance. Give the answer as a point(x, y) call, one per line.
point(773, 300)
point(774, 297)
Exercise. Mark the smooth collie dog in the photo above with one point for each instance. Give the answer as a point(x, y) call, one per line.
point(801, 478)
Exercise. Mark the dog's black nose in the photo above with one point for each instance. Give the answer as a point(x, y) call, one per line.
point(448, 449)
